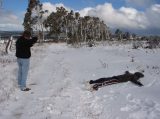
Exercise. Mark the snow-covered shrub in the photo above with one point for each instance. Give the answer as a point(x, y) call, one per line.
point(137, 44)
point(151, 44)
point(91, 43)
point(8, 76)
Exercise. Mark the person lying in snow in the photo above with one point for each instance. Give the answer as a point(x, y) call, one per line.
point(134, 78)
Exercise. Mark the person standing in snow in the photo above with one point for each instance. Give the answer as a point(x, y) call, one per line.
point(23, 54)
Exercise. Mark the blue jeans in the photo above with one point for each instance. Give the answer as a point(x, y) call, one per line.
point(23, 65)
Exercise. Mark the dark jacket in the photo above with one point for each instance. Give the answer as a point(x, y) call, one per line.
point(134, 78)
point(23, 47)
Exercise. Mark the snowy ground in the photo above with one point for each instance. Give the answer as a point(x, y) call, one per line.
point(57, 78)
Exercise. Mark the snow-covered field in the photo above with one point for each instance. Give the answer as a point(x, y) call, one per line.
point(57, 78)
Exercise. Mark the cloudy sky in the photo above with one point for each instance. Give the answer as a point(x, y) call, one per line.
point(138, 16)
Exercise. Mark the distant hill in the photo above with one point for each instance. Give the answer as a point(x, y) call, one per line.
point(6, 34)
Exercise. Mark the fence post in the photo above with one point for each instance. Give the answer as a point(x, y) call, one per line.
point(9, 44)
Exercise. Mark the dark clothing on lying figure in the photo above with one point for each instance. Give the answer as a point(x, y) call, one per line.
point(134, 78)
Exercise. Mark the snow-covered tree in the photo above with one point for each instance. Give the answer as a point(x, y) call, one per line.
point(28, 16)
point(118, 34)
point(33, 20)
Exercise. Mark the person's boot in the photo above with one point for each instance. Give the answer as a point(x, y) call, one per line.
point(25, 89)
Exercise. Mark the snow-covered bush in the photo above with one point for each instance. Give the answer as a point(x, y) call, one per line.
point(137, 44)
point(151, 44)
point(8, 76)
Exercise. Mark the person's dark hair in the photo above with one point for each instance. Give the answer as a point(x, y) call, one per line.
point(139, 75)
point(27, 33)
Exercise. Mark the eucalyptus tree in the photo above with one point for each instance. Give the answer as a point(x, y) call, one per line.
point(48, 23)
point(96, 22)
point(77, 29)
point(126, 36)
point(71, 18)
point(101, 30)
point(33, 20)
point(104, 31)
point(134, 35)
point(118, 34)
point(28, 20)
point(56, 22)
point(53, 23)
point(62, 13)
point(38, 20)
point(80, 28)
point(86, 22)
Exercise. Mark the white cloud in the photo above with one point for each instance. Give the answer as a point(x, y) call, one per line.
point(9, 21)
point(153, 15)
point(52, 7)
point(156, 8)
point(124, 17)
point(84, 11)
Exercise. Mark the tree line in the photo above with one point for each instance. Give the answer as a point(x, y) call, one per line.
point(69, 26)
